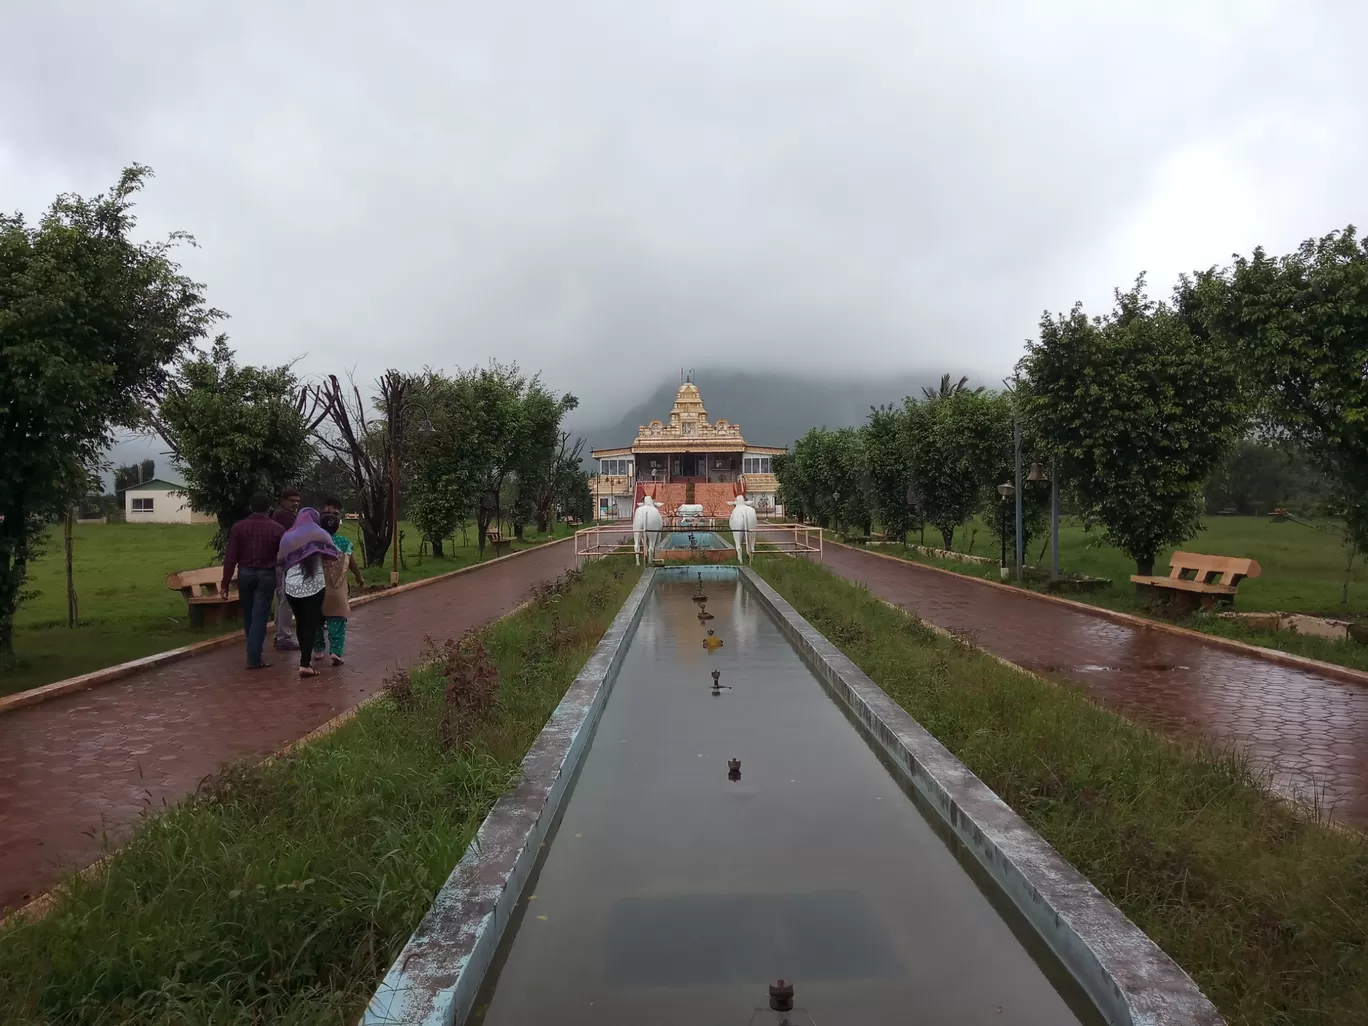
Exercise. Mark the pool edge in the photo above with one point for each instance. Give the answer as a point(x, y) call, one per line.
point(435, 978)
point(1129, 978)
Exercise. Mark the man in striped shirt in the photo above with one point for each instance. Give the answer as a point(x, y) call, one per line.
point(253, 545)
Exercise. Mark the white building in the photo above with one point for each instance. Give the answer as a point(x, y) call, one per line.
point(160, 502)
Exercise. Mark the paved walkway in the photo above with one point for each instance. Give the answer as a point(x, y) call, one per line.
point(1309, 730)
point(77, 769)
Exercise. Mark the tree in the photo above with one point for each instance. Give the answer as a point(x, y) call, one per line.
point(888, 469)
point(952, 438)
point(540, 445)
point(1300, 325)
point(561, 477)
point(327, 478)
point(355, 435)
point(441, 488)
point(126, 477)
point(1257, 476)
point(947, 389)
point(1136, 411)
point(234, 431)
point(147, 470)
point(89, 322)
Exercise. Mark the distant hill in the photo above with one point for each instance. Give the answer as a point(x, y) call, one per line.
point(772, 408)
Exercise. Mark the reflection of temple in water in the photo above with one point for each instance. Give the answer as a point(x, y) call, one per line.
point(679, 615)
point(743, 627)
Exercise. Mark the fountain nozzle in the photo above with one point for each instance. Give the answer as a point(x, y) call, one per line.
point(781, 996)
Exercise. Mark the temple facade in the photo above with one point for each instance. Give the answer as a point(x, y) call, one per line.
point(687, 457)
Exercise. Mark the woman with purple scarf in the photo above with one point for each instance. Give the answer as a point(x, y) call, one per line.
point(302, 551)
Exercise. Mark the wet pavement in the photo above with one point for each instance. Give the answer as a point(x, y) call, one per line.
point(672, 895)
point(1308, 730)
point(78, 770)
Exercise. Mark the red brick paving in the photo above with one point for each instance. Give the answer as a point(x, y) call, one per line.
point(78, 768)
point(1309, 731)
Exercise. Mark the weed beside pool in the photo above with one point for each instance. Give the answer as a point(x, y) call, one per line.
point(282, 891)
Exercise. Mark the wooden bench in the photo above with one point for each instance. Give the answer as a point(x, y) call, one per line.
point(500, 543)
point(1195, 579)
point(206, 605)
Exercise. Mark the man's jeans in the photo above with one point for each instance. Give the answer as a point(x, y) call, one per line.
point(256, 585)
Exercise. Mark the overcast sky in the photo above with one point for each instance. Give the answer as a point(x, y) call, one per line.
point(608, 190)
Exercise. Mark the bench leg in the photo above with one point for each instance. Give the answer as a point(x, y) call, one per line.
point(196, 616)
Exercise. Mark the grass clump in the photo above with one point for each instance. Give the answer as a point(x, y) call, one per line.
point(282, 891)
point(1265, 909)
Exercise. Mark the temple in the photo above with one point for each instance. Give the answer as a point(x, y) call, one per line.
point(686, 459)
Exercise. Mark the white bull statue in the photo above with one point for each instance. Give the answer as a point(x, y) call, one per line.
point(646, 527)
point(745, 525)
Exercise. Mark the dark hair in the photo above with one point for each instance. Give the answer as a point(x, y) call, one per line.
point(334, 503)
point(289, 493)
point(260, 502)
point(312, 564)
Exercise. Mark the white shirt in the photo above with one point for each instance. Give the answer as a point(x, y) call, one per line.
point(298, 584)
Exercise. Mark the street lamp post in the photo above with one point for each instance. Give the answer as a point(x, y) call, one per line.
point(1006, 490)
point(1020, 524)
point(425, 428)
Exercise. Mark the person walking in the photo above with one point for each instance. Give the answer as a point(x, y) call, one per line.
point(253, 545)
point(304, 549)
point(337, 600)
point(284, 515)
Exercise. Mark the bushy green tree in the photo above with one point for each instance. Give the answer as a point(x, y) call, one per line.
point(90, 321)
point(1136, 411)
point(888, 469)
point(234, 431)
point(1299, 324)
point(953, 437)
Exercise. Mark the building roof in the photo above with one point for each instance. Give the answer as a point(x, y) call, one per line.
point(687, 431)
point(156, 484)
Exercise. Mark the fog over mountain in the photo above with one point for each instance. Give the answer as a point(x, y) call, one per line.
point(771, 408)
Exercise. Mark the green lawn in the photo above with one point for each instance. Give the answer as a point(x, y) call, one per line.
point(1266, 909)
point(1303, 572)
point(126, 609)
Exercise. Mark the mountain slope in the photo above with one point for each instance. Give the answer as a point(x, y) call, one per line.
point(772, 408)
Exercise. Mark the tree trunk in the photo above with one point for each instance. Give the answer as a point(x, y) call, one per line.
point(1145, 567)
point(70, 582)
point(948, 536)
point(518, 531)
point(543, 523)
point(437, 548)
point(11, 584)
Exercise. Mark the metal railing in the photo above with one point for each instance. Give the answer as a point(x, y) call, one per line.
point(607, 539)
point(794, 539)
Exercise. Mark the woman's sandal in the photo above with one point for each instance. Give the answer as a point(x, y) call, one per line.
point(337, 660)
point(307, 671)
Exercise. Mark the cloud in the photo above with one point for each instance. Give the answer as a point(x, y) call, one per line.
point(608, 190)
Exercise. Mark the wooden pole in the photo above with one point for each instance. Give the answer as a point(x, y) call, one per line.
point(394, 512)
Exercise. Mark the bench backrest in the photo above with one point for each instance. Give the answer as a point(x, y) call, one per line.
point(1227, 570)
point(198, 583)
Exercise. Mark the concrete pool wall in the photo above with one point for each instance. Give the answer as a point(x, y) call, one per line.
point(437, 976)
